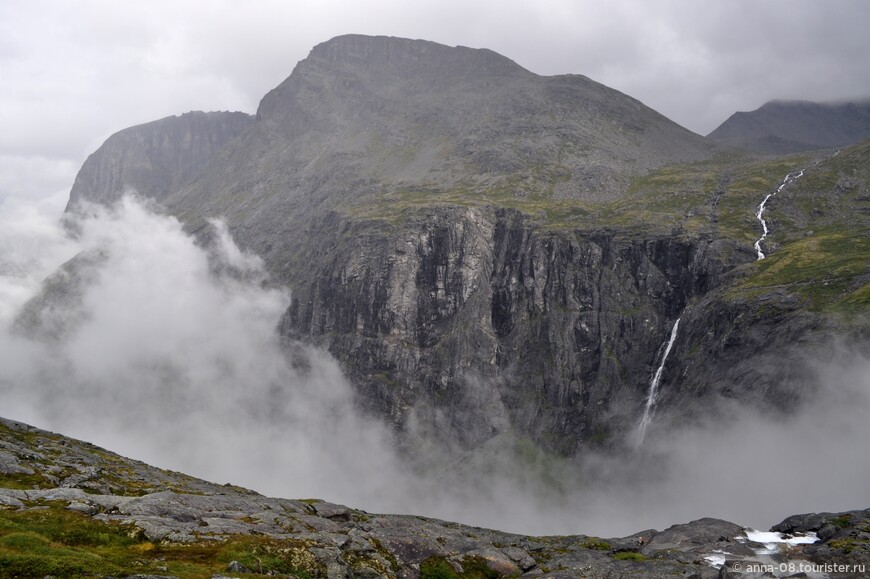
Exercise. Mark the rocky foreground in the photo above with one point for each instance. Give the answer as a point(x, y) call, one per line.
point(69, 508)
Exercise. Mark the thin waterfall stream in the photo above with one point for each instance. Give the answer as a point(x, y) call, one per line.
point(654, 388)
point(759, 213)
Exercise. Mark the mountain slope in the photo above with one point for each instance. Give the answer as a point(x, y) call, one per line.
point(156, 158)
point(489, 252)
point(362, 117)
point(68, 508)
point(783, 127)
point(373, 140)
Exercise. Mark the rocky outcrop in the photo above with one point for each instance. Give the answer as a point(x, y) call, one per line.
point(155, 159)
point(782, 127)
point(120, 517)
point(487, 323)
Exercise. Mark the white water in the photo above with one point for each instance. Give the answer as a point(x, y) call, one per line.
point(654, 388)
point(759, 214)
point(774, 555)
point(772, 540)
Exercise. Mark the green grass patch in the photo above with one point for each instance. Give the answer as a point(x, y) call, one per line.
point(829, 270)
point(54, 541)
point(841, 522)
point(629, 556)
point(472, 568)
point(716, 195)
point(21, 481)
point(596, 544)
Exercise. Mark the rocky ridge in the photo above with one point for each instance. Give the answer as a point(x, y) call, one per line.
point(153, 159)
point(784, 127)
point(68, 508)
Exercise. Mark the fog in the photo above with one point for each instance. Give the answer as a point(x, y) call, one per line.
point(163, 349)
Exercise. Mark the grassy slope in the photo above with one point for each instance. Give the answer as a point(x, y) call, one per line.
point(49, 539)
point(55, 541)
point(818, 247)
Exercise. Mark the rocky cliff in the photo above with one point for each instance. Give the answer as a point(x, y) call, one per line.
point(155, 159)
point(489, 251)
point(71, 509)
point(783, 127)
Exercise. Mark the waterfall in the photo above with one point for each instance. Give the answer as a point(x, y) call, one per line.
point(759, 213)
point(654, 388)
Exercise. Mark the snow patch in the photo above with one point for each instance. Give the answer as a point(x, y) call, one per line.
point(774, 542)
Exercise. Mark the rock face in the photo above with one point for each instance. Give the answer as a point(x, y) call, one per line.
point(782, 127)
point(156, 158)
point(486, 250)
point(477, 315)
point(94, 513)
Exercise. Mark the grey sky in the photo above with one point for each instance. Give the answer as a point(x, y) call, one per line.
point(72, 73)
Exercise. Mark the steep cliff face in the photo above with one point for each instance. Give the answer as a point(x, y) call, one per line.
point(155, 159)
point(490, 251)
point(476, 321)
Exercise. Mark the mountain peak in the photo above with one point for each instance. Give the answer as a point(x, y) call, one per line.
point(790, 126)
point(350, 66)
point(408, 57)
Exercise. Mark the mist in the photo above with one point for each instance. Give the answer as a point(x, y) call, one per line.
point(164, 349)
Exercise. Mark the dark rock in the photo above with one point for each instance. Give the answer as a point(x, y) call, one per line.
point(632, 542)
point(236, 567)
point(827, 532)
point(802, 523)
point(702, 535)
point(520, 557)
point(331, 511)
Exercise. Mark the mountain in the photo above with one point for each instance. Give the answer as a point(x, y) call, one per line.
point(489, 252)
point(783, 127)
point(69, 508)
point(155, 158)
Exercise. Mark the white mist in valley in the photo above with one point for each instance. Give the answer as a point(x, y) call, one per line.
point(167, 352)
point(171, 356)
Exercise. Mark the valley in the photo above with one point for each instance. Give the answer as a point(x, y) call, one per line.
point(423, 279)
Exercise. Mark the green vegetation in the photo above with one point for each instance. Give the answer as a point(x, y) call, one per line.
point(847, 545)
point(24, 481)
point(53, 541)
point(116, 474)
point(437, 568)
point(829, 271)
point(717, 194)
point(472, 568)
point(841, 522)
point(596, 544)
point(629, 556)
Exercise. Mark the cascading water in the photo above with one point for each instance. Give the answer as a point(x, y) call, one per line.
point(759, 214)
point(654, 388)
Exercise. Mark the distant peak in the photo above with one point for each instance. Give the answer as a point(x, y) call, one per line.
point(408, 56)
point(796, 103)
point(787, 103)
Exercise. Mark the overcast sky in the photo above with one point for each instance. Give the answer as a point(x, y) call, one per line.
point(72, 73)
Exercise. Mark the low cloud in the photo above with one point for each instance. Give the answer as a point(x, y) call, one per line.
point(168, 353)
point(175, 360)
